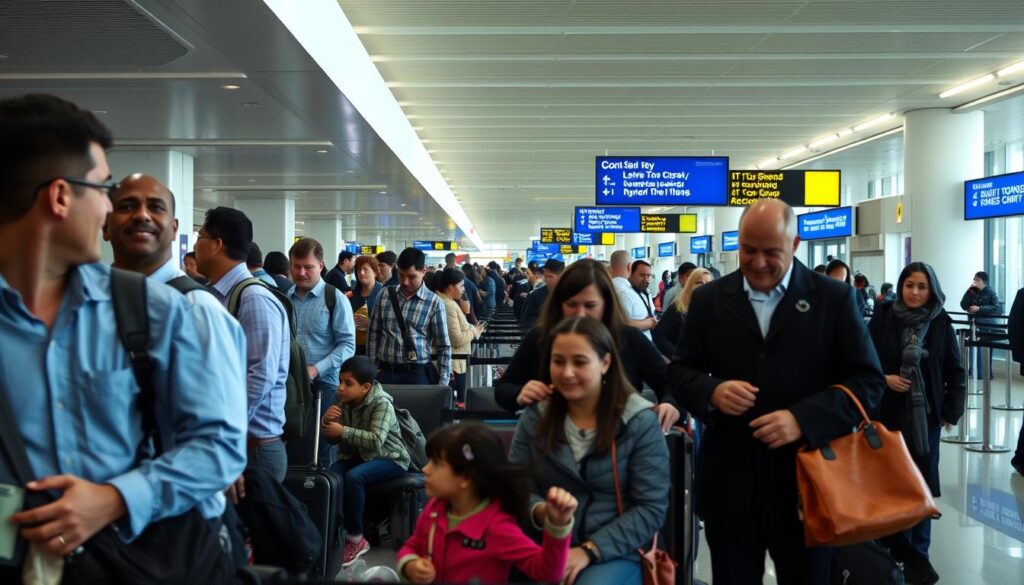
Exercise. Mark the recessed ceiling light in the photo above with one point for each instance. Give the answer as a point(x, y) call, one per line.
point(383, 192)
point(250, 104)
point(1005, 82)
point(403, 205)
point(792, 153)
point(322, 151)
point(350, 171)
point(99, 112)
point(252, 180)
point(230, 86)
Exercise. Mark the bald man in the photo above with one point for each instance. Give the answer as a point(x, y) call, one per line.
point(142, 230)
point(760, 349)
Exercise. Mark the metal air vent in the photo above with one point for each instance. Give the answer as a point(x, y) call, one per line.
point(47, 35)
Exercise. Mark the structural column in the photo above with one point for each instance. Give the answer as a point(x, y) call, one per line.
point(941, 150)
point(273, 222)
point(172, 168)
point(328, 233)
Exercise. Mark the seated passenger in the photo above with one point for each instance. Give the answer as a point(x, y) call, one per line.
point(584, 289)
point(362, 422)
point(469, 532)
point(69, 378)
point(920, 356)
point(593, 420)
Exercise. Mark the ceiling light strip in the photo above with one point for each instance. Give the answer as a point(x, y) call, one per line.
point(828, 138)
point(218, 142)
point(844, 147)
point(65, 76)
point(991, 97)
point(987, 78)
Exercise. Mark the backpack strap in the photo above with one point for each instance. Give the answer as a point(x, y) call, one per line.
point(331, 298)
point(407, 345)
point(184, 284)
point(235, 299)
point(128, 292)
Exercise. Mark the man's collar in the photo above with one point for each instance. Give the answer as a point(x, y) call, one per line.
point(167, 272)
point(316, 291)
point(232, 277)
point(782, 286)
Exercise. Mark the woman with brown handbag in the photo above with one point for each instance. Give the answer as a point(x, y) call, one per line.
point(924, 376)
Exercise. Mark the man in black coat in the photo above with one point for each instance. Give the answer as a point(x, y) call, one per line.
point(1016, 330)
point(759, 351)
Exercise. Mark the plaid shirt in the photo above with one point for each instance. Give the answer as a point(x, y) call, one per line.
point(428, 329)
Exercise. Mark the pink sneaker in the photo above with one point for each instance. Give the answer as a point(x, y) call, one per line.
point(354, 550)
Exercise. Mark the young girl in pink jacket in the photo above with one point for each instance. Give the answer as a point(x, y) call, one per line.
point(470, 529)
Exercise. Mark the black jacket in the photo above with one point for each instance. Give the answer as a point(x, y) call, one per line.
point(337, 278)
point(942, 372)
point(817, 338)
point(670, 327)
point(986, 300)
point(532, 306)
point(641, 362)
point(1016, 329)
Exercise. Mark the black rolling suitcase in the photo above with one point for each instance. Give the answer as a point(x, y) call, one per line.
point(680, 531)
point(320, 491)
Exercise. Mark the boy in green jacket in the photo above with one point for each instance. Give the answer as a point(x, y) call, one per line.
point(363, 423)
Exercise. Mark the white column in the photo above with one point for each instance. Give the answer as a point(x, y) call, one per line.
point(328, 233)
point(273, 222)
point(727, 219)
point(172, 168)
point(941, 150)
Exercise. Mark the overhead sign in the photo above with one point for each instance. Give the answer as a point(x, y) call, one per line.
point(435, 246)
point(679, 223)
point(700, 244)
point(542, 248)
point(661, 180)
point(639, 253)
point(666, 249)
point(370, 250)
point(998, 196)
point(730, 241)
point(541, 257)
point(588, 239)
point(556, 235)
point(570, 249)
point(831, 223)
point(607, 219)
point(797, 188)
point(354, 248)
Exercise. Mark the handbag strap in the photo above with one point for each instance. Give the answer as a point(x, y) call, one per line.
point(407, 345)
point(615, 477)
point(856, 401)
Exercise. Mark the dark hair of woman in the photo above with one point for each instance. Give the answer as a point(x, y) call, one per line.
point(476, 452)
point(448, 277)
point(836, 265)
point(577, 277)
point(615, 388)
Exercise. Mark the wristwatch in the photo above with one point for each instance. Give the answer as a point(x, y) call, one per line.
point(591, 550)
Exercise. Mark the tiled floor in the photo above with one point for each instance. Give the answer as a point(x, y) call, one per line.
point(980, 538)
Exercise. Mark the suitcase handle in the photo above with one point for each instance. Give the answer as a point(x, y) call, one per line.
point(316, 433)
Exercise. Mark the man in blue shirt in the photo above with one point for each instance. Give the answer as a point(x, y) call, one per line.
point(63, 368)
point(142, 231)
point(328, 341)
point(221, 249)
point(254, 262)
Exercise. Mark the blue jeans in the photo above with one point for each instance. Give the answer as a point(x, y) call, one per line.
point(618, 572)
point(271, 458)
point(418, 375)
point(920, 535)
point(326, 452)
point(355, 475)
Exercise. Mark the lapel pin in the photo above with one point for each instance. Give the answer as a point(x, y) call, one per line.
point(803, 306)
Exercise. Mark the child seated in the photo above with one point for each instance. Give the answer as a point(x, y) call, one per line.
point(470, 529)
point(363, 423)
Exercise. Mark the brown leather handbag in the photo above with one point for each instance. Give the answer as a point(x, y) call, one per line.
point(658, 568)
point(860, 487)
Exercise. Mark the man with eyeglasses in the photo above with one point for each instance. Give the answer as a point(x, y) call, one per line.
point(64, 370)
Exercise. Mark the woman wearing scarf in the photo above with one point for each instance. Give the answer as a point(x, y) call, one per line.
point(924, 378)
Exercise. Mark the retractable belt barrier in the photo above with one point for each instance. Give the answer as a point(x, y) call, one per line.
point(987, 446)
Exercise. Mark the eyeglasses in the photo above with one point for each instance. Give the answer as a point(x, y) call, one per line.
point(108, 188)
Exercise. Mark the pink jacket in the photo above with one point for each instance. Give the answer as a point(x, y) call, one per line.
point(484, 547)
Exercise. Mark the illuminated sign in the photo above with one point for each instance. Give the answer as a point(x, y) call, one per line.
point(588, 239)
point(370, 250)
point(666, 249)
point(607, 220)
point(429, 246)
point(700, 244)
point(639, 253)
point(730, 241)
point(556, 235)
point(831, 223)
point(797, 188)
point(661, 180)
point(998, 196)
point(680, 223)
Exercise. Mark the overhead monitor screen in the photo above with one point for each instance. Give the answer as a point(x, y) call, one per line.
point(998, 196)
point(821, 225)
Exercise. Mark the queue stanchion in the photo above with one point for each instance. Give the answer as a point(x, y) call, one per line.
point(963, 434)
point(1009, 405)
point(986, 445)
point(972, 363)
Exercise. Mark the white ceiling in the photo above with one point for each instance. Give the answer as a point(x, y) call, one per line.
point(514, 99)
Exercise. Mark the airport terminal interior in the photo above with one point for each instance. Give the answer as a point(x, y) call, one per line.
point(565, 130)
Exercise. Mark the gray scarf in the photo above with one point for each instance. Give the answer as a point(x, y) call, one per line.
point(915, 324)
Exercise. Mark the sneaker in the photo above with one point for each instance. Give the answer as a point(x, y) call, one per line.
point(354, 550)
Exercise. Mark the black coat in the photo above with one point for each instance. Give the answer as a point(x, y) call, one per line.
point(1015, 327)
point(942, 371)
point(986, 300)
point(670, 327)
point(533, 305)
point(817, 338)
point(641, 362)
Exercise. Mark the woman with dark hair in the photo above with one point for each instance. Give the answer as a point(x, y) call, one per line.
point(585, 289)
point(363, 297)
point(594, 423)
point(839, 270)
point(664, 285)
point(277, 266)
point(449, 285)
point(924, 377)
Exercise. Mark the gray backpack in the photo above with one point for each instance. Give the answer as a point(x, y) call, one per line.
point(413, 437)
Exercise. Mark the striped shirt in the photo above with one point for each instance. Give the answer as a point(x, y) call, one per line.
point(327, 345)
point(428, 329)
point(268, 343)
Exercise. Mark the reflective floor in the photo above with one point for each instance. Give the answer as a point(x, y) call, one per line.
point(980, 538)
